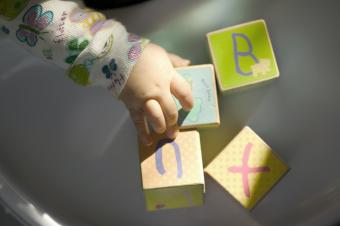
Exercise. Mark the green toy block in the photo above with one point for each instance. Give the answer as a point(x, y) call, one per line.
point(242, 55)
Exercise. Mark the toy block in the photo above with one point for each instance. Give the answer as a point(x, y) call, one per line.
point(205, 111)
point(242, 55)
point(172, 172)
point(247, 168)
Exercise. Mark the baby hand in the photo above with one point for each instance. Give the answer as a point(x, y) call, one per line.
point(149, 89)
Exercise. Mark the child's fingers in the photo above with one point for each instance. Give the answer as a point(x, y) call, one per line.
point(154, 114)
point(169, 109)
point(181, 89)
point(172, 132)
point(178, 61)
point(139, 121)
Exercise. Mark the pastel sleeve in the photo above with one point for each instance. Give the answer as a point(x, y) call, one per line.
point(92, 49)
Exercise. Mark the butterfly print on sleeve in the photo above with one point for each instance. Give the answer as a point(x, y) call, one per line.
point(35, 21)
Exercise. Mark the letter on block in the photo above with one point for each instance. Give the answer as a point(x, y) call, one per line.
point(205, 111)
point(172, 172)
point(242, 55)
point(247, 168)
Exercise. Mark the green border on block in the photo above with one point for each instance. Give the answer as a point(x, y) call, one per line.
point(174, 197)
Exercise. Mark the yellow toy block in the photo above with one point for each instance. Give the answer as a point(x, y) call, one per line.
point(247, 168)
point(172, 172)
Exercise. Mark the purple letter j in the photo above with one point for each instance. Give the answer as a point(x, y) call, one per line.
point(159, 157)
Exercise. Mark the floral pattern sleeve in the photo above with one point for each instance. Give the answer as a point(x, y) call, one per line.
point(94, 50)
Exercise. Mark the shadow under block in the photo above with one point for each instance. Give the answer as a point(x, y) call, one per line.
point(205, 111)
point(242, 55)
point(247, 168)
point(172, 172)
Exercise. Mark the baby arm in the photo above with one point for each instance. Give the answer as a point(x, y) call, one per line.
point(97, 51)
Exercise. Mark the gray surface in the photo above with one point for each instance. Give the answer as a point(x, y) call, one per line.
point(60, 143)
point(8, 220)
